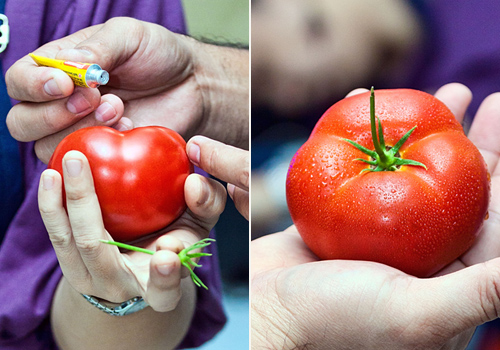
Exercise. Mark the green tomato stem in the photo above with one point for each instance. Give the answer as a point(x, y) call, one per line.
point(128, 247)
point(185, 256)
point(376, 142)
point(383, 158)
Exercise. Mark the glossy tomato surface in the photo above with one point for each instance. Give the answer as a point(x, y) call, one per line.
point(415, 219)
point(138, 176)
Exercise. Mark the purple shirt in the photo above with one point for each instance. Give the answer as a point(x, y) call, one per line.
point(29, 271)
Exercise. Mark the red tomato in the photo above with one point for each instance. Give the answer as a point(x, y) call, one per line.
point(415, 218)
point(138, 176)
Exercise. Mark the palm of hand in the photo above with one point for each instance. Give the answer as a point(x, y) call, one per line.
point(352, 304)
point(356, 304)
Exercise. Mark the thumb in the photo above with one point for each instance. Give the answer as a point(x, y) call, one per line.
point(107, 46)
point(143, 55)
point(463, 299)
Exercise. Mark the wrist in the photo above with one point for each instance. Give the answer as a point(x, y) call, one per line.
point(222, 75)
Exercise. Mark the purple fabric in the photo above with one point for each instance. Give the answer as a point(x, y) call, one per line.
point(29, 272)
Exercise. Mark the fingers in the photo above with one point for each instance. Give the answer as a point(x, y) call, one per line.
point(98, 269)
point(83, 206)
point(48, 123)
point(164, 288)
point(461, 300)
point(106, 45)
point(484, 134)
point(75, 235)
point(484, 131)
point(29, 121)
point(109, 113)
point(57, 223)
point(101, 44)
point(205, 198)
point(456, 97)
point(48, 103)
point(240, 198)
point(101, 260)
point(227, 163)
point(164, 285)
point(26, 81)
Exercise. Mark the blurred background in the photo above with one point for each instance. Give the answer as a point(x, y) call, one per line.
point(308, 55)
point(227, 21)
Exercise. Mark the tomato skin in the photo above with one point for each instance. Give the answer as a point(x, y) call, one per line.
point(138, 176)
point(413, 219)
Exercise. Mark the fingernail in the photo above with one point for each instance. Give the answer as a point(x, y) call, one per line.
point(204, 193)
point(165, 269)
point(105, 112)
point(74, 167)
point(230, 190)
point(77, 103)
point(47, 182)
point(124, 124)
point(52, 88)
point(194, 153)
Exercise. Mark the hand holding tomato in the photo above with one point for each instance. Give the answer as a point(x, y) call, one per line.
point(98, 269)
point(157, 77)
point(337, 304)
point(225, 162)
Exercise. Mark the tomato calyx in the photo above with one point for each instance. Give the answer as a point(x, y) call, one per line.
point(186, 259)
point(383, 158)
point(185, 256)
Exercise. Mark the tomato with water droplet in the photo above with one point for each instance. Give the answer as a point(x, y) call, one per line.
point(412, 195)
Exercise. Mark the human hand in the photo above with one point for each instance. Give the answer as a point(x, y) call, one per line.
point(339, 304)
point(156, 78)
point(226, 163)
point(98, 269)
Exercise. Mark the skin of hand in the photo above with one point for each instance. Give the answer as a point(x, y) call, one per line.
point(156, 78)
point(227, 163)
point(94, 268)
point(301, 302)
